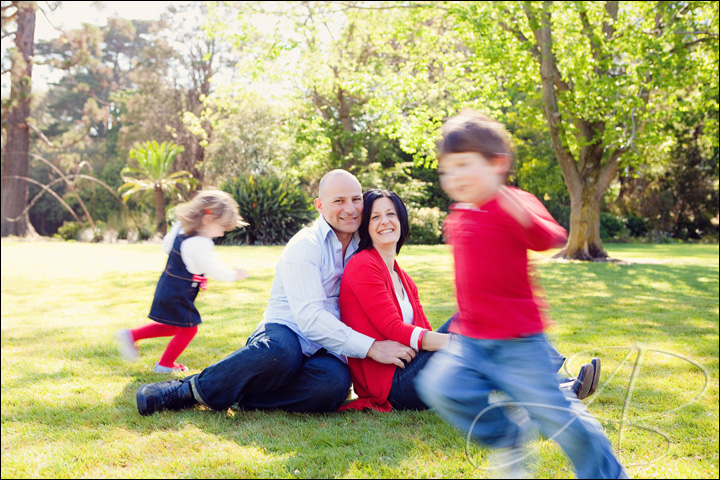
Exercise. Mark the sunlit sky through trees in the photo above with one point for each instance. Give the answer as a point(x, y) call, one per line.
point(71, 15)
point(68, 15)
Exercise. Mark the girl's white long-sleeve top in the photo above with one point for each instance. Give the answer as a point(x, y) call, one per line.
point(199, 255)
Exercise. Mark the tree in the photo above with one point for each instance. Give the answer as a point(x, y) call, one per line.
point(604, 76)
point(690, 184)
point(173, 82)
point(79, 118)
point(155, 175)
point(333, 61)
point(16, 153)
point(683, 200)
point(331, 54)
point(608, 74)
point(246, 134)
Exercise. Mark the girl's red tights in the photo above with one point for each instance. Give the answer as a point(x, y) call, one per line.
point(182, 336)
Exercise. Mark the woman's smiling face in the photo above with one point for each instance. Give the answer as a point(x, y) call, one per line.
point(384, 225)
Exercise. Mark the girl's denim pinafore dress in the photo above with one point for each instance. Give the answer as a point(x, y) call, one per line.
point(174, 302)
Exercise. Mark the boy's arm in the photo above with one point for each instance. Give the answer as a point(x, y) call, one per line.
point(513, 205)
point(543, 232)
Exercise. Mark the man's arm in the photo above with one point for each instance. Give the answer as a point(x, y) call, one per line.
point(299, 271)
point(307, 300)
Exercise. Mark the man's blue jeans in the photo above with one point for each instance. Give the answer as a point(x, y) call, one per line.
point(271, 372)
point(457, 383)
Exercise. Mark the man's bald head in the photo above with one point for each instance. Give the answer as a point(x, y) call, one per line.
point(334, 177)
point(340, 202)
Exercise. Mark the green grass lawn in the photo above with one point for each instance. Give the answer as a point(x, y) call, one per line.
point(68, 399)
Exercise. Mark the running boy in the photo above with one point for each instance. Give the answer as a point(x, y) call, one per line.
point(501, 345)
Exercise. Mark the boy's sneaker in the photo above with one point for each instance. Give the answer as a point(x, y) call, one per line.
point(510, 462)
point(126, 345)
point(179, 369)
point(583, 382)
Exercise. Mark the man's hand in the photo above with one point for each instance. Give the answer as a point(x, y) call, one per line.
point(391, 352)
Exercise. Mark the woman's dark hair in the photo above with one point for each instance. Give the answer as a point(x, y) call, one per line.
point(369, 198)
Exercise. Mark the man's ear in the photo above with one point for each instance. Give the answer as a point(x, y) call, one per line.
point(502, 163)
point(318, 204)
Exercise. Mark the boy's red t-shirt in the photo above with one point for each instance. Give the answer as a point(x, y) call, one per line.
point(495, 294)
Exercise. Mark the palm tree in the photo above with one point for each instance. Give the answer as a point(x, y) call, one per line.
point(155, 163)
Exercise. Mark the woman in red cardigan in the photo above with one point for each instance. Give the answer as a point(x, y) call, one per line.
point(379, 299)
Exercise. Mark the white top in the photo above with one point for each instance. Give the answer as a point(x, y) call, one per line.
point(408, 317)
point(405, 306)
point(198, 254)
point(305, 292)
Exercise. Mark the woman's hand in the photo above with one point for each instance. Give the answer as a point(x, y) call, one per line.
point(433, 341)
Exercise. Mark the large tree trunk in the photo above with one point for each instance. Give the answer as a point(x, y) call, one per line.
point(16, 159)
point(584, 241)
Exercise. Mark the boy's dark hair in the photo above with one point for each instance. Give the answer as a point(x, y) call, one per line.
point(472, 131)
point(369, 198)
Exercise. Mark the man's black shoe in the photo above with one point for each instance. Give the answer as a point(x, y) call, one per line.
point(596, 375)
point(583, 382)
point(170, 395)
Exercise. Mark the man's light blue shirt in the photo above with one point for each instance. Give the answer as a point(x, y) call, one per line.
point(305, 292)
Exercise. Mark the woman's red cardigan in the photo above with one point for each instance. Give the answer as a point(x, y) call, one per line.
point(368, 305)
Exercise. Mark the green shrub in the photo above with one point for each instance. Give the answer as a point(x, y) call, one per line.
point(69, 230)
point(561, 214)
point(637, 226)
point(99, 232)
point(274, 209)
point(144, 233)
point(612, 227)
point(425, 225)
point(662, 237)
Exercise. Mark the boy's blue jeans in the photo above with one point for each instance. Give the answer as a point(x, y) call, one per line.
point(457, 383)
point(271, 372)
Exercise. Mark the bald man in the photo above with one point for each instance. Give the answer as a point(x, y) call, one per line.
point(295, 360)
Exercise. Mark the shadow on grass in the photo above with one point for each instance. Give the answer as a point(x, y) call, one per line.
point(634, 300)
point(301, 444)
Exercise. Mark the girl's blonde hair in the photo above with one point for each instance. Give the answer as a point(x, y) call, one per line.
point(217, 203)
